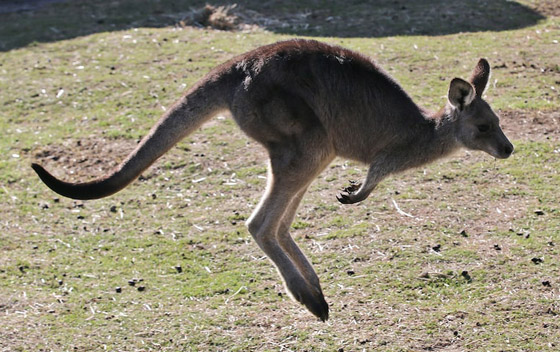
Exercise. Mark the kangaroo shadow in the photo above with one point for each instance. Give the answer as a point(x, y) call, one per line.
point(54, 20)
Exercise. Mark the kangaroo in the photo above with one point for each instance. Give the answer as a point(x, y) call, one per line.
point(307, 102)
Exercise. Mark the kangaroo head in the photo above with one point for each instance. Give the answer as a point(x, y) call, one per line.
point(477, 127)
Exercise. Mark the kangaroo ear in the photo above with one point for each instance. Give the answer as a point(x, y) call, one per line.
point(461, 93)
point(480, 75)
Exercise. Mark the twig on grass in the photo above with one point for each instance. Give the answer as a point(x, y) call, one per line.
point(400, 211)
point(236, 292)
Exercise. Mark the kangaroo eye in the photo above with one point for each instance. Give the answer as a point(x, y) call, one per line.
point(483, 128)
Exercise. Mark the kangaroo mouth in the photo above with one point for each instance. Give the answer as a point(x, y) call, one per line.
point(502, 156)
point(504, 153)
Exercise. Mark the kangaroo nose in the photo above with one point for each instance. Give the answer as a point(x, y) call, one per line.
point(508, 149)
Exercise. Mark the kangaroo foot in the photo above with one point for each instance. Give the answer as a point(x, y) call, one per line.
point(311, 297)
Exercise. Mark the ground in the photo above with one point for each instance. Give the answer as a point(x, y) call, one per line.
point(461, 255)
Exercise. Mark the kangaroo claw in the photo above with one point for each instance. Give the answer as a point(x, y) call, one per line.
point(354, 186)
point(344, 198)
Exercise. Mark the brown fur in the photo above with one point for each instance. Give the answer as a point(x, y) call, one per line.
point(307, 102)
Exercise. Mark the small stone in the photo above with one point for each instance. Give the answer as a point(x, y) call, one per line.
point(537, 260)
point(179, 268)
point(437, 247)
point(546, 283)
point(350, 272)
point(464, 233)
point(539, 212)
point(141, 288)
point(118, 289)
point(466, 275)
point(113, 209)
point(497, 247)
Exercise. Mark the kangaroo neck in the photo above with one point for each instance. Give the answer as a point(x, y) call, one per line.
point(432, 137)
point(443, 140)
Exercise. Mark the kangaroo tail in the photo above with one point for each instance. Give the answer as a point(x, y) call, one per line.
point(201, 103)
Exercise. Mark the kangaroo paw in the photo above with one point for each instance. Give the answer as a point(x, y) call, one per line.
point(354, 186)
point(348, 195)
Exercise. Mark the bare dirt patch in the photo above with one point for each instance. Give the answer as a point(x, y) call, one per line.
point(531, 125)
point(548, 7)
point(84, 158)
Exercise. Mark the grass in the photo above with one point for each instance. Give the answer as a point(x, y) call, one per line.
point(475, 267)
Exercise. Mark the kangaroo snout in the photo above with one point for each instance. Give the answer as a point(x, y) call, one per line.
point(502, 151)
point(507, 150)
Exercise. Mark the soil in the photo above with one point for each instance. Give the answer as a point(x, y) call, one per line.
point(549, 8)
point(84, 158)
point(531, 125)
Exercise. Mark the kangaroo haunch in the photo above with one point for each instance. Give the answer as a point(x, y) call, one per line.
point(307, 102)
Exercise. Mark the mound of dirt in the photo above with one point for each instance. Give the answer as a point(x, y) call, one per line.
point(237, 18)
point(217, 17)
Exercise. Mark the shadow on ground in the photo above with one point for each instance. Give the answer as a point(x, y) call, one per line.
point(58, 20)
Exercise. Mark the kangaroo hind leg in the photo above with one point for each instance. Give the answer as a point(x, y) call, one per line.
point(290, 172)
point(288, 244)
